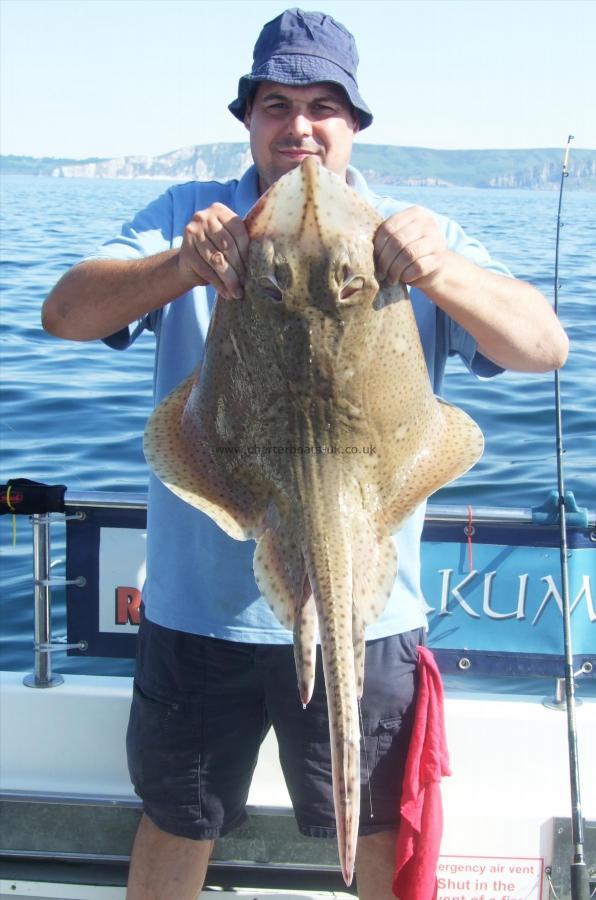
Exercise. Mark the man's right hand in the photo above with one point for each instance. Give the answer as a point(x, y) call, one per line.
point(99, 297)
point(215, 251)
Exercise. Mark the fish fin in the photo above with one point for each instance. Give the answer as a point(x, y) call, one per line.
point(450, 446)
point(179, 454)
point(305, 645)
point(374, 567)
point(279, 572)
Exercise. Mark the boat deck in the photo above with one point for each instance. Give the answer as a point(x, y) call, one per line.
point(508, 797)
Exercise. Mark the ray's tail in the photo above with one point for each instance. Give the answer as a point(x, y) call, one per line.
point(344, 732)
point(329, 567)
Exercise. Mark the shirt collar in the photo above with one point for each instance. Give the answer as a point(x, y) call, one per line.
point(356, 181)
point(247, 192)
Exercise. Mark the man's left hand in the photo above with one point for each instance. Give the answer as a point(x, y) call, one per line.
point(409, 246)
point(512, 323)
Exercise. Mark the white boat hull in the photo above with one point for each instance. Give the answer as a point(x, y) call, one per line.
point(508, 790)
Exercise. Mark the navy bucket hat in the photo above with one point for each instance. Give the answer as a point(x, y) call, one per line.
point(299, 48)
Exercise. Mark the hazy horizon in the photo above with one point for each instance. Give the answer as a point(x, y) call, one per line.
point(94, 156)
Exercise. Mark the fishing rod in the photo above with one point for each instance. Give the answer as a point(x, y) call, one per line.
point(580, 887)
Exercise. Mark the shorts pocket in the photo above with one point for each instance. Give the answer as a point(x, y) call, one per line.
point(387, 730)
point(376, 744)
point(381, 785)
point(163, 748)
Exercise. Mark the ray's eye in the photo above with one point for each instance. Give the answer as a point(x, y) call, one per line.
point(351, 286)
point(270, 288)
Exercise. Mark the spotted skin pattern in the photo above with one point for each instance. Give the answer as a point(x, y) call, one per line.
point(317, 355)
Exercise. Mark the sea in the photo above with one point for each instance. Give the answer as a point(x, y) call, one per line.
point(73, 413)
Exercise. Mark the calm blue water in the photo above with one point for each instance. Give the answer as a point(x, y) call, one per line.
point(74, 413)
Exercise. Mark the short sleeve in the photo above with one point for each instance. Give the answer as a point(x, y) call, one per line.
point(459, 341)
point(149, 232)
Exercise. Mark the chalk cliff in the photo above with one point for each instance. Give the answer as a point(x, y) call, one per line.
point(381, 164)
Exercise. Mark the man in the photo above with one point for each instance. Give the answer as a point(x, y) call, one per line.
point(214, 668)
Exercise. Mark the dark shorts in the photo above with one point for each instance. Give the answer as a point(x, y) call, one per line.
point(202, 707)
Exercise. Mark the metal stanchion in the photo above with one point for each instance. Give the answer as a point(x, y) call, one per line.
point(42, 676)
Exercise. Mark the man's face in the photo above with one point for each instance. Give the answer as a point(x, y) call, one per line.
point(286, 124)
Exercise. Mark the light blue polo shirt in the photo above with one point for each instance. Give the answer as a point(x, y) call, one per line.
point(198, 579)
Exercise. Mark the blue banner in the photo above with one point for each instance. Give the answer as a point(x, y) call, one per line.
point(496, 601)
point(493, 592)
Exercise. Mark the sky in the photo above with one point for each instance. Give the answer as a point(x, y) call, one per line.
point(109, 78)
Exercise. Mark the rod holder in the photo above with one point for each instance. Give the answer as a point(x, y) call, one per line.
point(559, 700)
point(42, 676)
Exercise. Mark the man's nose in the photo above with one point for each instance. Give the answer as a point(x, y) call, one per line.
point(299, 124)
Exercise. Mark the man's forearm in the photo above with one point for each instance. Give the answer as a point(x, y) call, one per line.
point(100, 297)
point(512, 323)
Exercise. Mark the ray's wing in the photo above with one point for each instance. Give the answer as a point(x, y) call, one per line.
point(198, 440)
point(423, 442)
point(450, 446)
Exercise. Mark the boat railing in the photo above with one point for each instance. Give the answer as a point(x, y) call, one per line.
point(449, 529)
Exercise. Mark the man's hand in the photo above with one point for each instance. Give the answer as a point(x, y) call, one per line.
point(409, 247)
point(512, 323)
point(215, 251)
point(99, 297)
